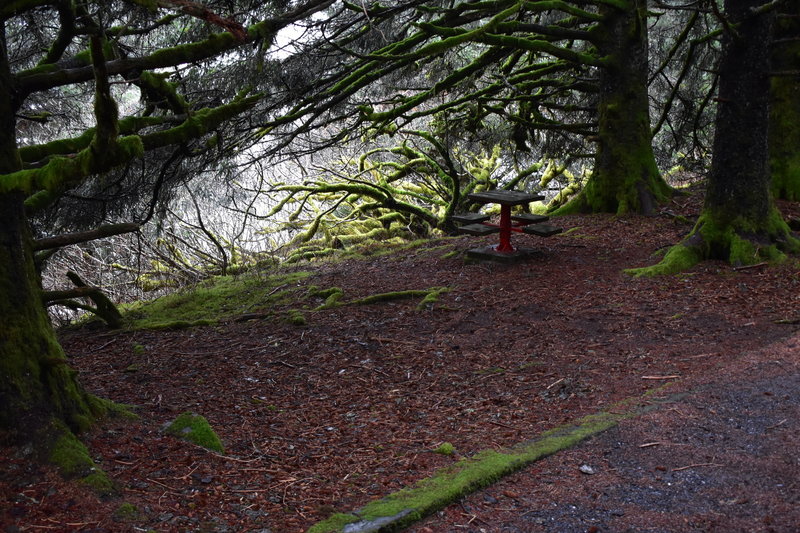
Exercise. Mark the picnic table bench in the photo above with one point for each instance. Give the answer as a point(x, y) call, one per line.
point(478, 224)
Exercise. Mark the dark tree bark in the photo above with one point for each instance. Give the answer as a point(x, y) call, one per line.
point(625, 178)
point(41, 400)
point(784, 120)
point(739, 222)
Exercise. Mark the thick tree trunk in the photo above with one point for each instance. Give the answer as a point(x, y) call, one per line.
point(784, 119)
point(41, 401)
point(35, 382)
point(625, 178)
point(739, 222)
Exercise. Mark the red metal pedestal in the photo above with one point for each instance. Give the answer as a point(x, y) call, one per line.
point(505, 230)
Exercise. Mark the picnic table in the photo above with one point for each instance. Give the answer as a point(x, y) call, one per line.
point(478, 224)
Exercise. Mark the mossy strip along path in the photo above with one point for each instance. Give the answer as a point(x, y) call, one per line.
point(449, 484)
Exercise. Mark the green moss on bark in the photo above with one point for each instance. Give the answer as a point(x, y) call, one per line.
point(784, 135)
point(72, 459)
point(625, 178)
point(738, 241)
point(784, 118)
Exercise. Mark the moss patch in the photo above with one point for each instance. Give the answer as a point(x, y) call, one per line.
point(445, 448)
point(296, 317)
point(126, 512)
point(214, 300)
point(195, 428)
point(72, 459)
point(737, 240)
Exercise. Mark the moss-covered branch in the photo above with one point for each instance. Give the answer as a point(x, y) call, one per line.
point(40, 153)
point(49, 76)
point(62, 173)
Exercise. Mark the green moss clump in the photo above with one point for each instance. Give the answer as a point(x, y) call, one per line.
point(195, 428)
point(126, 512)
point(445, 448)
point(332, 296)
point(100, 484)
point(296, 317)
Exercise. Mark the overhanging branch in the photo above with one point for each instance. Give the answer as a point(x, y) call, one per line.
point(106, 230)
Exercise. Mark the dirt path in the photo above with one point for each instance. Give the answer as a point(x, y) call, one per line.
point(723, 459)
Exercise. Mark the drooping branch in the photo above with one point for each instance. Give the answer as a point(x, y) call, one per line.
point(66, 32)
point(104, 307)
point(203, 13)
point(106, 230)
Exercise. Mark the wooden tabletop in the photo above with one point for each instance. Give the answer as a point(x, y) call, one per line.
point(503, 197)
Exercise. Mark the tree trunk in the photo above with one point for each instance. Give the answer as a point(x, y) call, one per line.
point(41, 401)
point(784, 119)
point(625, 178)
point(739, 222)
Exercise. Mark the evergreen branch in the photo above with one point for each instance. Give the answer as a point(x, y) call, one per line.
point(62, 173)
point(52, 75)
point(679, 40)
point(688, 64)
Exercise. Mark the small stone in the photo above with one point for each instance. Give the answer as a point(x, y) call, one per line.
point(586, 469)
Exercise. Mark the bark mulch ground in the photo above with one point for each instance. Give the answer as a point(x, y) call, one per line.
point(349, 407)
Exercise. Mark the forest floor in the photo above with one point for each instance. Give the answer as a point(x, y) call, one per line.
point(351, 406)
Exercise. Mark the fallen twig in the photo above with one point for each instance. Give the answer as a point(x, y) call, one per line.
point(687, 467)
point(661, 377)
point(501, 424)
point(748, 267)
point(711, 354)
point(282, 363)
point(162, 484)
point(778, 424)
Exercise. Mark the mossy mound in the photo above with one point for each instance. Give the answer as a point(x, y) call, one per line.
point(195, 428)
